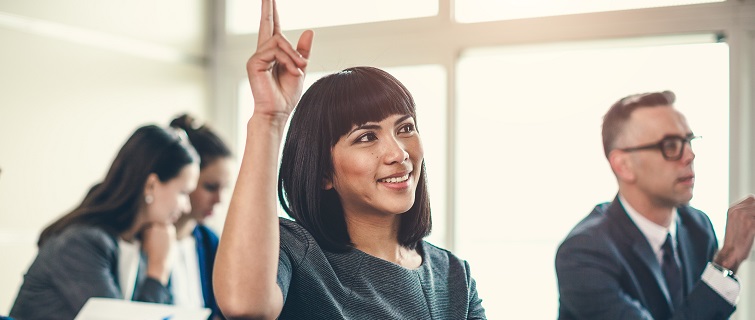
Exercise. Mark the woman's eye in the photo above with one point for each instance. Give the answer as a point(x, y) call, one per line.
point(407, 128)
point(367, 137)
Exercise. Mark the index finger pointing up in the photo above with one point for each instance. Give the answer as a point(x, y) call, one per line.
point(268, 22)
point(276, 20)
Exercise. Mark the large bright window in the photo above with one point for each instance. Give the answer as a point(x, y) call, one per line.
point(489, 10)
point(529, 159)
point(242, 16)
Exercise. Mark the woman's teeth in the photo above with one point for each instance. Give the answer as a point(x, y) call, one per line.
point(396, 179)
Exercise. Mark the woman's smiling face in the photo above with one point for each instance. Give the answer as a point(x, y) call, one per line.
point(377, 165)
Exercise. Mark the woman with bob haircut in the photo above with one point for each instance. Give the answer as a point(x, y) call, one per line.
point(94, 251)
point(352, 177)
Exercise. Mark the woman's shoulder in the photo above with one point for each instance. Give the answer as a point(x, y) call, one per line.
point(442, 259)
point(290, 226)
point(294, 237)
point(204, 233)
point(74, 247)
point(435, 252)
point(82, 237)
point(89, 233)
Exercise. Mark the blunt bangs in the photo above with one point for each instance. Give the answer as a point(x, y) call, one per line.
point(365, 95)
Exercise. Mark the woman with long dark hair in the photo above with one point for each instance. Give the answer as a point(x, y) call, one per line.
point(94, 251)
point(352, 177)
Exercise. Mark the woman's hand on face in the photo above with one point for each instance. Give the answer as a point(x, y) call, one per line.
point(158, 241)
point(276, 71)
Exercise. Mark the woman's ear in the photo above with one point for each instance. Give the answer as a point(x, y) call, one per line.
point(327, 183)
point(622, 165)
point(150, 184)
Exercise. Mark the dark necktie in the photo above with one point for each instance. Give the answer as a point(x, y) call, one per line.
point(672, 272)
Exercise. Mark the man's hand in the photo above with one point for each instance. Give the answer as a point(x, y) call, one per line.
point(740, 232)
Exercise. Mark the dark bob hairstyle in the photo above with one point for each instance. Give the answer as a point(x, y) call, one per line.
point(113, 204)
point(327, 111)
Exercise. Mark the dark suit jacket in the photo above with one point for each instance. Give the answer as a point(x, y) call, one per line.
point(79, 263)
point(207, 247)
point(607, 270)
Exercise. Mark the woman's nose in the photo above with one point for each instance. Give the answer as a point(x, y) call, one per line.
point(396, 152)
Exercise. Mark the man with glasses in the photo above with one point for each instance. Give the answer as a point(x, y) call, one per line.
point(648, 254)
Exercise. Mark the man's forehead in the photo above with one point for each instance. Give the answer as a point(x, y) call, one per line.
point(657, 121)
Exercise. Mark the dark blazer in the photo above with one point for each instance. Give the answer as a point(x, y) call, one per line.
point(607, 270)
point(207, 247)
point(79, 263)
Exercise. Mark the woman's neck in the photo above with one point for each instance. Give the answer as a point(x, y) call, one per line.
point(378, 237)
point(185, 226)
point(129, 235)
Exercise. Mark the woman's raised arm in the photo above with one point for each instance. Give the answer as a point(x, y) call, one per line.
point(247, 260)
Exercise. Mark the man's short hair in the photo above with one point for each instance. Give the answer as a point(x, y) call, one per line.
point(617, 116)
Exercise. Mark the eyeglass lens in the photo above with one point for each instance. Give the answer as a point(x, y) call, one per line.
point(672, 147)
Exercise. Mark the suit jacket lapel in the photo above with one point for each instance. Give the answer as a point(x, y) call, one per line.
point(639, 244)
point(202, 257)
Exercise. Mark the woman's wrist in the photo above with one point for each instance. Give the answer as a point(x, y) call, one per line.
point(268, 122)
point(157, 272)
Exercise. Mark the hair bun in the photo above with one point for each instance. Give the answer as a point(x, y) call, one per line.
point(185, 122)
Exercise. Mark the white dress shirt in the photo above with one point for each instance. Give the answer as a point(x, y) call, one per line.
point(185, 279)
point(129, 254)
point(655, 234)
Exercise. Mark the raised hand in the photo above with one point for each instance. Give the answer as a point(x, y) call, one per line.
point(276, 70)
point(740, 232)
point(246, 265)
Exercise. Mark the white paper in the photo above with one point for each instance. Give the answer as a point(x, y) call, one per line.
point(117, 309)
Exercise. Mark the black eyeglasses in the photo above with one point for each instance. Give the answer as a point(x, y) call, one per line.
point(672, 147)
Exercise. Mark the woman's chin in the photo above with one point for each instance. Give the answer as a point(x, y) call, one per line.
point(200, 217)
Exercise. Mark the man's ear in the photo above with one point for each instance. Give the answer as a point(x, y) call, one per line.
point(622, 165)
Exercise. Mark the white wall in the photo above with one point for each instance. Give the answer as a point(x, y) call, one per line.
point(68, 103)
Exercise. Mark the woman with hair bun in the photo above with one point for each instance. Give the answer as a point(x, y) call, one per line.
point(192, 275)
point(95, 250)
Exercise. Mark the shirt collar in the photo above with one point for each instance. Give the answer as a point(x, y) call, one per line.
point(655, 234)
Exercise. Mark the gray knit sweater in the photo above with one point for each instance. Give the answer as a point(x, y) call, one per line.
point(318, 284)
